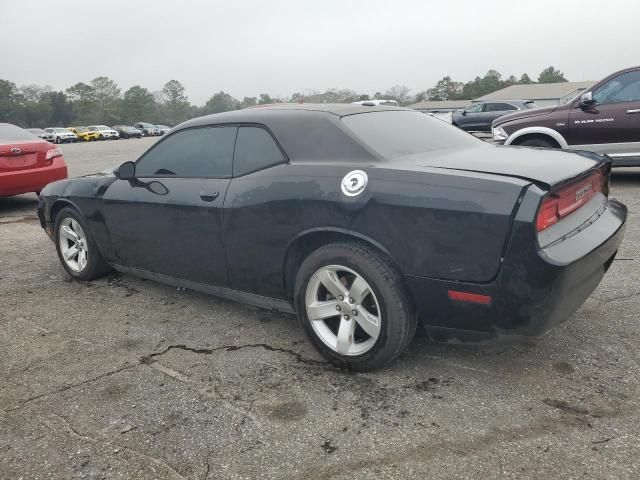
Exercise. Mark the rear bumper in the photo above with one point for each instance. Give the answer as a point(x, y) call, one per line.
point(32, 180)
point(532, 293)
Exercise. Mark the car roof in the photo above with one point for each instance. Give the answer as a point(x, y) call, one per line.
point(261, 113)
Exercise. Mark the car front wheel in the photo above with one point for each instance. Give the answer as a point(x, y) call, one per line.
point(353, 307)
point(76, 249)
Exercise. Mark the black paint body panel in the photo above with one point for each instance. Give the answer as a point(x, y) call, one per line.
point(460, 218)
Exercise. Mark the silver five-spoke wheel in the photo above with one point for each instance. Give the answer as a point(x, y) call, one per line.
point(343, 310)
point(73, 244)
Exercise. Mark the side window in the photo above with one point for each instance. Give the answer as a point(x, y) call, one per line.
point(476, 108)
point(500, 107)
point(623, 88)
point(504, 107)
point(255, 150)
point(196, 152)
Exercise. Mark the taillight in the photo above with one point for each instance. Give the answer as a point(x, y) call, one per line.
point(564, 202)
point(548, 213)
point(51, 154)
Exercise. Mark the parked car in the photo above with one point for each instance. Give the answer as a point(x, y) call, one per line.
point(84, 134)
point(104, 132)
point(479, 116)
point(40, 133)
point(163, 129)
point(61, 135)
point(148, 129)
point(360, 219)
point(375, 103)
point(604, 119)
point(125, 131)
point(27, 162)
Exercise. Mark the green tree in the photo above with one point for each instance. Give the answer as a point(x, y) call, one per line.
point(220, 102)
point(175, 102)
point(525, 79)
point(551, 75)
point(265, 99)
point(83, 99)
point(445, 89)
point(107, 94)
point(138, 105)
point(248, 102)
point(37, 111)
point(60, 109)
point(11, 103)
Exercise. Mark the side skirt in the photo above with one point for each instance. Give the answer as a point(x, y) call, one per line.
point(228, 293)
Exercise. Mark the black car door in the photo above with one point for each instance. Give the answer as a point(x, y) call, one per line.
point(168, 220)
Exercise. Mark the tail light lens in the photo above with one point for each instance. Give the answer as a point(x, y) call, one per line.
point(564, 202)
point(51, 154)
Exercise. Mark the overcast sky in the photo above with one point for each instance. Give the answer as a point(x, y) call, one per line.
point(283, 46)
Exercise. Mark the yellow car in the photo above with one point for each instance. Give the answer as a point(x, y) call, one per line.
point(84, 133)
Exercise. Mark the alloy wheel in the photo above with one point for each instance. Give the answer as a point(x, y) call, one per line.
point(73, 244)
point(343, 310)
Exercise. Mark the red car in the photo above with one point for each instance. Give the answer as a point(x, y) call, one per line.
point(27, 163)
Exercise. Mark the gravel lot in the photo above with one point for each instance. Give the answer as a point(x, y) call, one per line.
point(124, 378)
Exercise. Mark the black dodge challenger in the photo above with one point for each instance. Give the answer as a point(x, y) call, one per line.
point(361, 219)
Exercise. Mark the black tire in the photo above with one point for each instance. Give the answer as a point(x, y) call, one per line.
point(397, 315)
point(538, 142)
point(58, 140)
point(100, 137)
point(96, 266)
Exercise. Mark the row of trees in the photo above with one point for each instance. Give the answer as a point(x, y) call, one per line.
point(101, 101)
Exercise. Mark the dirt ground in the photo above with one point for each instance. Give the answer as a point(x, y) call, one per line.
point(124, 378)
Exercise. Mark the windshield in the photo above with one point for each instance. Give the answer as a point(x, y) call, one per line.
point(61, 130)
point(399, 133)
point(81, 129)
point(11, 132)
point(37, 131)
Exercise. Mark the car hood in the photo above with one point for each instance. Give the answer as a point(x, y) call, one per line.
point(543, 166)
point(520, 114)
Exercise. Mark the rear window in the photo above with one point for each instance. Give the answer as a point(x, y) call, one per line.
point(400, 133)
point(11, 132)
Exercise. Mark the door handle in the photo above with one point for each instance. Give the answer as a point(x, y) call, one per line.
point(209, 196)
point(635, 110)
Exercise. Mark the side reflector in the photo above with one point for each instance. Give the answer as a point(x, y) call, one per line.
point(469, 297)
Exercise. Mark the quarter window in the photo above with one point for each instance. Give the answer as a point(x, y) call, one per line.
point(255, 150)
point(196, 152)
point(623, 88)
point(499, 107)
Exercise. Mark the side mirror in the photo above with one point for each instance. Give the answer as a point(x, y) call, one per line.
point(126, 171)
point(586, 99)
point(464, 112)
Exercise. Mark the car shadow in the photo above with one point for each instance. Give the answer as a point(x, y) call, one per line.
point(627, 176)
point(20, 205)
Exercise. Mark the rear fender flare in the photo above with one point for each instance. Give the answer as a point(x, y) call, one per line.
point(549, 132)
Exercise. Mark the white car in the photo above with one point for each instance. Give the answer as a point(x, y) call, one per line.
point(61, 135)
point(104, 132)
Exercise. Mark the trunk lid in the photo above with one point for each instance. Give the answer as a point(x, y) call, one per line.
point(541, 166)
point(23, 154)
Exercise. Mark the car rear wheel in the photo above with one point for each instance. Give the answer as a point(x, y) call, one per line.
point(76, 249)
point(58, 140)
point(537, 142)
point(353, 307)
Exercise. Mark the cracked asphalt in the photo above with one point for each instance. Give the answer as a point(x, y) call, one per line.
point(125, 378)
